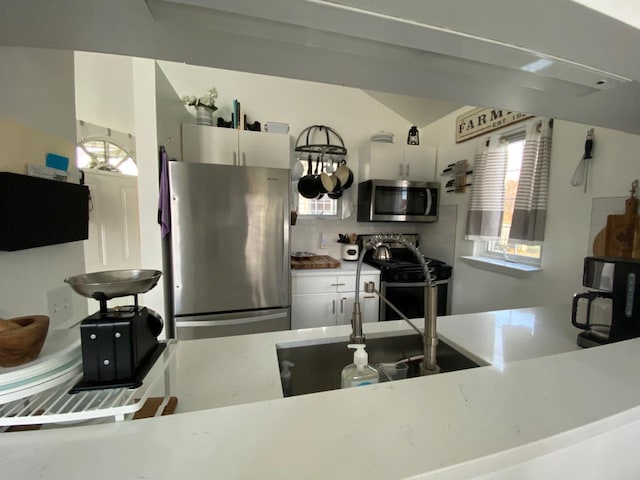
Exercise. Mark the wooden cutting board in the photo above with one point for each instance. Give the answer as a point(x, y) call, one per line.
point(621, 231)
point(317, 261)
point(636, 240)
point(598, 243)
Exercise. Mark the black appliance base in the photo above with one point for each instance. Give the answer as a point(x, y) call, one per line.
point(586, 341)
point(134, 382)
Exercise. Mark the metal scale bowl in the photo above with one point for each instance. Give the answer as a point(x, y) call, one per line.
point(119, 345)
point(103, 286)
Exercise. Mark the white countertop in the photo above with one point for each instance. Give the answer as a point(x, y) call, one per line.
point(345, 268)
point(533, 401)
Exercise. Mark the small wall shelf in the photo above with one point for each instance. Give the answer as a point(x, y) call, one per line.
point(57, 405)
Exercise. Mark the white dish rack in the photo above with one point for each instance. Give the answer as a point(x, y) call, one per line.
point(56, 405)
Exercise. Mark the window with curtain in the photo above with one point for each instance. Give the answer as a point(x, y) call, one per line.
point(508, 204)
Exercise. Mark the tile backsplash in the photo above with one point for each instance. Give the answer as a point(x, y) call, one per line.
point(306, 234)
point(437, 239)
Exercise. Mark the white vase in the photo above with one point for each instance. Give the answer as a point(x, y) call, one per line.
point(204, 115)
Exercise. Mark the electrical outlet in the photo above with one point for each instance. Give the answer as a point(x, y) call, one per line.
point(59, 304)
point(323, 240)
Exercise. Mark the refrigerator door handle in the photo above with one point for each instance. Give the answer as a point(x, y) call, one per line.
point(233, 321)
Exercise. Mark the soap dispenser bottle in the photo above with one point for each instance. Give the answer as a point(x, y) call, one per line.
point(359, 372)
point(285, 377)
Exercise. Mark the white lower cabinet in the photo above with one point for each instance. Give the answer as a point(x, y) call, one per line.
point(326, 300)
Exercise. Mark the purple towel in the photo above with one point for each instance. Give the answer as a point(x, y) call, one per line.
point(164, 210)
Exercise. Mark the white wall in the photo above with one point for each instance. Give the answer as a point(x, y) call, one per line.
point(104, 90)
point(170, 115)
point(37, 85)
point(144, 88)
point(37, 99)
point(568, 223)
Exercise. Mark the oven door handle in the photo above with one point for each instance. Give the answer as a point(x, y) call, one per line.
point(429, 201)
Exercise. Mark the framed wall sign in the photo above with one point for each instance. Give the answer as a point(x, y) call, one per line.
point(483, 120)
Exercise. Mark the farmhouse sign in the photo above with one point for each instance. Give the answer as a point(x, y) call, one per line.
point(483, 120)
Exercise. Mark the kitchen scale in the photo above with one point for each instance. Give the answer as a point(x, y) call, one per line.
point(119, 344)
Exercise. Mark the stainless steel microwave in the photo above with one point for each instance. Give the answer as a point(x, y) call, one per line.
point(398, 201)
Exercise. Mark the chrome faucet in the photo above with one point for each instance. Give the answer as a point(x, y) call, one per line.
point(429, 335)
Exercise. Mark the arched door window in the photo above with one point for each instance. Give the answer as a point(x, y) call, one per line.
point(104, 154)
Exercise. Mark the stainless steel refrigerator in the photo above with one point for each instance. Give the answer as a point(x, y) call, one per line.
point(228, 251)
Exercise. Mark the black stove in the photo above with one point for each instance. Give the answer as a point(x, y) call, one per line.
point(402, 280)
point(407, 269)
point(403, 265)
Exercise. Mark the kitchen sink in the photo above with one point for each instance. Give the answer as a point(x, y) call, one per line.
point(318, 367)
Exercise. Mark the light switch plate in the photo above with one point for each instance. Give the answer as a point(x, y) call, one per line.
point(323, 240)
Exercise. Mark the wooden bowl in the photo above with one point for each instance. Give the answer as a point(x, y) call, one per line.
point(21, 339)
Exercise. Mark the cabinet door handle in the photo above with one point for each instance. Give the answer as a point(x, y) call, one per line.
point(338, 284)
point(342, 304)
point(333, 309)
point(235, 158)
point(244, 159)
point(407, 169)
point(400, 170)
point(370, 296)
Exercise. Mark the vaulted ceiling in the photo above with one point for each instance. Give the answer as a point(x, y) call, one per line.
point(551, 57)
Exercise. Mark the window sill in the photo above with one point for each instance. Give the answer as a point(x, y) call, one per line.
point(498, 265)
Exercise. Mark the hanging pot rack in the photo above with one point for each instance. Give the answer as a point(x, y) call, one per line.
point(320, 139)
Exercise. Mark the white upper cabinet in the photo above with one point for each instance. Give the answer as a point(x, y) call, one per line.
point(230, 146)
point(397, 161)
point(261, 149)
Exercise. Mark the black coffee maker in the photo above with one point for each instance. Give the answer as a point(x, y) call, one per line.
point(613, 282)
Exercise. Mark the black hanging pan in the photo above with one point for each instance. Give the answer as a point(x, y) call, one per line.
point(307, 185)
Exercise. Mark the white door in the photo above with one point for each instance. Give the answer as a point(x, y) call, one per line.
point(386, 161)
point(313, 310)
point(345, 307)
point(420, 163)
point(260, 149)
point(368, 307)
point(114, 231)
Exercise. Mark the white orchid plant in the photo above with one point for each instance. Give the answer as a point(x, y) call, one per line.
point(208, 100)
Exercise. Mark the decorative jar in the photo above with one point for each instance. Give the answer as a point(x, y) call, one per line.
point(204, 115)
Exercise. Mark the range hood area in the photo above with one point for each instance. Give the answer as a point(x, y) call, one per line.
point(555, 58)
